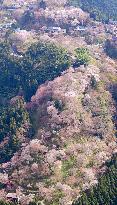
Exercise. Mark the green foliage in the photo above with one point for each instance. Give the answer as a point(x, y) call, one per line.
point(5, 203)
point(2, 186)
point(32, 203)
point(59, 105)
point(105, 193)
point(9, 73)
point(99, 10)
point(94, 83)
point(67, 165)
point(42, 62)
point(57, 196)
point(111, 49)
point(42, 4)
point(12, 118)
point(27, 19)
point(83, 56)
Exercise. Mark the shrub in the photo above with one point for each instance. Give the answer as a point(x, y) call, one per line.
point(82, 56)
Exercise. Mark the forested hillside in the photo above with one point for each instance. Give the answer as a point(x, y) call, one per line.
point(106, 190)
point(21, 77)
point(99, 10)
point(41, 62)
point(57, 139)
point(111, 48)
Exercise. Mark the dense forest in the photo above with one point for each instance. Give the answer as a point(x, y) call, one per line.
point(105, 193)
point(14, 119)
point(99, 10)
point(111, 48)
point(41, 62)
point(21, 77)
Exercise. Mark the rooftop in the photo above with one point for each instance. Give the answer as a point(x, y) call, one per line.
point(12, 195)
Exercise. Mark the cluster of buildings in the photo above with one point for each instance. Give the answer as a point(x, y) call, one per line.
point(5, 25)
point(56, 30)
point(13, 5)
point(61, 21)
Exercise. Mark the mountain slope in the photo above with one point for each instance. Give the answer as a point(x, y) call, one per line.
point(73, 139)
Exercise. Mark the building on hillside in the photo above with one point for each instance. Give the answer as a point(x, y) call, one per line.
point(56, 30)
point(79, 30)
point(6, 25)
point(12, 197)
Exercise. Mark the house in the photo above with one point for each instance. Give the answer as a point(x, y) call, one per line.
point(80, 28)
point(12, 197)
point(5, 25)
point(56, 30)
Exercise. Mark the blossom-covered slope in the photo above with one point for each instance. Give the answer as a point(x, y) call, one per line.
point(72, 116)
